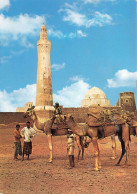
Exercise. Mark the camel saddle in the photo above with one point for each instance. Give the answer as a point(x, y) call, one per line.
point(99, 116)
point(59, 123)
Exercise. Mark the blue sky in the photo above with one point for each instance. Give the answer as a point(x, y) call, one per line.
point(93, 43)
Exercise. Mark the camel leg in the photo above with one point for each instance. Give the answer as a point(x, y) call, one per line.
point(126, 138)
point(82, 146)
point(99, 160)
point(96, 154)
point(50, 147)
point(78, 144)
point(136, 131)
point(82, 152)
point(79, 151)
point(127, 151)
point(123, 151)
point(113, 147)
point(122, 146)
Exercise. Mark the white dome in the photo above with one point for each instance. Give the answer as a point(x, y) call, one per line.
point(95, 93)
point(95, 97)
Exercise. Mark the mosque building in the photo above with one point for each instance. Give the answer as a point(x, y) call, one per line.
point(95, 97)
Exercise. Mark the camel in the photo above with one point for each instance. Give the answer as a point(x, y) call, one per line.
point(46, 128)
point(132, 131)
point(84, 141)
point(97, 132)
point(129, 118)
point(55, 131)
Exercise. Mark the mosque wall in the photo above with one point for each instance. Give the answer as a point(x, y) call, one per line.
point(12, 117)
point(80, 114)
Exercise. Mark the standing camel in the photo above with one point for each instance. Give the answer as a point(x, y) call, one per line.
point(55, 131)
point(130, 120)
point(96, 132)
point(84, 141)
point(48, 128)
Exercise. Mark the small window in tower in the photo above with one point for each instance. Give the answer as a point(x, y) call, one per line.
point(127, 101)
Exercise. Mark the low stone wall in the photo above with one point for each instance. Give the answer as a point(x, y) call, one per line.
point(80, 114)
point(12, 117)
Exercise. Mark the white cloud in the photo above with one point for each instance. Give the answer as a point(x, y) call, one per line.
point(24, 42)
point(4, 4)
point(81, 34)
point(76, 78)
point(123, 78)
point(20, 25)
point(74, 17)
point(61, 35)
point(71, 96)
point(99, 19)
point(57, 67)
point(16, 28)
point(5, 59)
point(77, 34)
point(23, 26)
point(55, 33)
point(97, 1)
point(17, 98)
point(19, 52)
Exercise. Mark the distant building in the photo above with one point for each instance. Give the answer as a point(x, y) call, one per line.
point(26, 106)
point(127, 101)
point(95, 97)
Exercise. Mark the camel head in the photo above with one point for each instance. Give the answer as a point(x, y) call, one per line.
point(30, 113)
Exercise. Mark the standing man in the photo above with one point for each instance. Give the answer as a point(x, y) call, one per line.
point(70, 147)
point(27, 133)
point(17, 142)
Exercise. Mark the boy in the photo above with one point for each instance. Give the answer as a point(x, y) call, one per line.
point(70, 147)
point(17, 142)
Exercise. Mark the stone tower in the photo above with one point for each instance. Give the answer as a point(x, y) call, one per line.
point(44, 98)
point(127, 101)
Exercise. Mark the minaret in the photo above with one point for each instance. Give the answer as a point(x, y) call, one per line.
point(44, 98)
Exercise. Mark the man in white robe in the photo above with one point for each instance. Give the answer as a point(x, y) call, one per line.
point(27, 133)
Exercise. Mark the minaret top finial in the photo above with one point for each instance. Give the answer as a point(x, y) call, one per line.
point(43, 33)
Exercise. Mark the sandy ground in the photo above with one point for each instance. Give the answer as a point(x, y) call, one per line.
point(37, 176)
